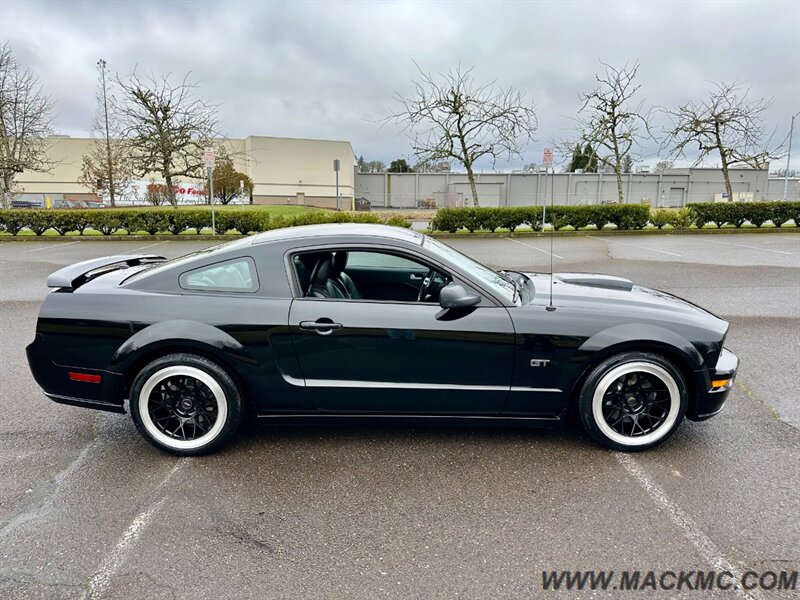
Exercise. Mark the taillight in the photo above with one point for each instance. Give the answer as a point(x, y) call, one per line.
point(85, 377)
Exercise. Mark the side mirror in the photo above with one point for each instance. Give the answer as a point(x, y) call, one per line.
point(454, 295)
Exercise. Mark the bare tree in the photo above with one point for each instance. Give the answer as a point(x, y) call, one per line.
point(167, 127)
point(452, 117)
point(26, 120)
point(107, 168)
point(612, 121)
point(726, 123)
point(372, 166)
point(627, 164)
point(663, 166)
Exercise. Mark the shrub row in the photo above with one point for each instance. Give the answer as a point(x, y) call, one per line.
point(737, 213)
point(169, 220)
point(623, 216)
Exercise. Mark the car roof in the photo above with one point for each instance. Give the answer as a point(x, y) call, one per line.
point(338, 229)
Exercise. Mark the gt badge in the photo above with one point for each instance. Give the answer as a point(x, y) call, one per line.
point(539, 362)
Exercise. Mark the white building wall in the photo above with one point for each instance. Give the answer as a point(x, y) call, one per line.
point(282, 169)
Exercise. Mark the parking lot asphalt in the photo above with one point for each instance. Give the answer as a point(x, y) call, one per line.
point(90, 510)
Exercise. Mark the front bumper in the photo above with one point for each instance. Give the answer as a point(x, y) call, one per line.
point(710, 397)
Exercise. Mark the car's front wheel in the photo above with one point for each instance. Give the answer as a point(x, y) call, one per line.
point(633, 401)
point(185, 404)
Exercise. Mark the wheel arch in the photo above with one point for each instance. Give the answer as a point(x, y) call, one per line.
point(180, 336)
point(655, 340)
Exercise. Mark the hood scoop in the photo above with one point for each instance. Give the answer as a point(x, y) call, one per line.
point(609, 282)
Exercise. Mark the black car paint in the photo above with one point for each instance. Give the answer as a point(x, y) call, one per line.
point(389, 358)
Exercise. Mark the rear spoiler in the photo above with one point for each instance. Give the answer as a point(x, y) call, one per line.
point(76, 275)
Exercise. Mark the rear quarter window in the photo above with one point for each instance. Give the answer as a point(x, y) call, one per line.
point(236, 275)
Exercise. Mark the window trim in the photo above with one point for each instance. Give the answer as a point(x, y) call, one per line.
point(222, 290)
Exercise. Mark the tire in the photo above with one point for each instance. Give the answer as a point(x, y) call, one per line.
point(185, 404)
point(633, 401)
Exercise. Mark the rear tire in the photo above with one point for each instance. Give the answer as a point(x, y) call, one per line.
point(185, 404)
point(633, 401)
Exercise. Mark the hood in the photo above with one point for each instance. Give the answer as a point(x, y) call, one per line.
point(618, 295)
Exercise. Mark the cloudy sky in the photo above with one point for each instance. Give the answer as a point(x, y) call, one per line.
point(330, 69)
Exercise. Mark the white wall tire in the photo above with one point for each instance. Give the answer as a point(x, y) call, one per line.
point(185, 404)
point(633, 401)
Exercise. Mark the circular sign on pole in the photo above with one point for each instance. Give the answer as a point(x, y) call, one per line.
point(209, 157)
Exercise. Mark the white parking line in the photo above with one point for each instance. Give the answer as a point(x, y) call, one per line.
point(53, 246)
point(750, 247)
point(606, 240)
point(151, 245)
point(534, 247)
point(112, 563)
point(707, 548)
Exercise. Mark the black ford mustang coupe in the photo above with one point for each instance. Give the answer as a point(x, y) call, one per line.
point(327, 321)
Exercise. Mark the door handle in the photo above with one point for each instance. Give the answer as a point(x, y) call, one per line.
point(322, 327)
point(415, 277)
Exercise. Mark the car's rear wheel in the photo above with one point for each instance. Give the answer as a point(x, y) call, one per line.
point(633, 401)
point(185, 404)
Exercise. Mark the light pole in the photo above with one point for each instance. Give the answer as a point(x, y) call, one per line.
point(211, 193)
point(788, 158)
point(209, 159)
point(336, 170)
point(101, 65)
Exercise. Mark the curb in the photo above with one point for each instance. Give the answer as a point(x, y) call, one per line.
point(612, 232)
point(120, 238)
point(438, 234)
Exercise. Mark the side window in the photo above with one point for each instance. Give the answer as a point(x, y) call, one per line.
point(380, 260)
point(342, 274)
point(238, 275)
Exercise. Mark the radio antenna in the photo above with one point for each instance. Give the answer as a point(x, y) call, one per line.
point(550, 306)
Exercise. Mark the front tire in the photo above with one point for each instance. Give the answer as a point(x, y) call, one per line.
point(633, 401)
point(185, 404)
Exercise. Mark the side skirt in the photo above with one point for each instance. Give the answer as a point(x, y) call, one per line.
point(406, 420)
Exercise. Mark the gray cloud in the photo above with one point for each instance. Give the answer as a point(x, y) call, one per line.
point(330, 69)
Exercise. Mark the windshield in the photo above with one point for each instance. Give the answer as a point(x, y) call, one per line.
point(484, 275)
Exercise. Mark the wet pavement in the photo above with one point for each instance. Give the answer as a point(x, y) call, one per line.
point(88, 509)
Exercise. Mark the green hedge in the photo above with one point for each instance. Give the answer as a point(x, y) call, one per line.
point(624, 216)
point(183, 220)
point(737, 213)
point(169, 220)
point(677, 219)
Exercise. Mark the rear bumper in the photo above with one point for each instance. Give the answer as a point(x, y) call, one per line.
point(55, 381)
point(710, 399)
point(86, 403)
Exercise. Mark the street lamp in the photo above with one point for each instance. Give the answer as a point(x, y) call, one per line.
point(788, 158)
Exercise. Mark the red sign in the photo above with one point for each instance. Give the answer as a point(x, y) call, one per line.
point(209, 157)
point(547, 157)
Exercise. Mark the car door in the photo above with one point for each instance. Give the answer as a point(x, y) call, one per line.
point(398, 356)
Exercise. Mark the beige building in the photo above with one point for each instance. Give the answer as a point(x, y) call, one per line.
point(283, 170)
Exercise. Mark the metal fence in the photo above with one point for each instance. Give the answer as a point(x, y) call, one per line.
point(672, 189)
